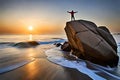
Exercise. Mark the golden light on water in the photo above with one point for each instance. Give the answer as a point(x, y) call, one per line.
point(30, 37)
point(30, 28)
point(31, 52)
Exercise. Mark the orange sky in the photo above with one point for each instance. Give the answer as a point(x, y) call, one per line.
point(20, 26)
point(50, 16)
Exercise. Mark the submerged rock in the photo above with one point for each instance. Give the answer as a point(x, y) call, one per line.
point(92, 43)
point(26, 44)
point(57, 44)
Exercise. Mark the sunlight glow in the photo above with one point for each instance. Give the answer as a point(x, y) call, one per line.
point(30, 28)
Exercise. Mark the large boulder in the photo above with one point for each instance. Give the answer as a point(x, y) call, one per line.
point(105, 33)
point(91, 43)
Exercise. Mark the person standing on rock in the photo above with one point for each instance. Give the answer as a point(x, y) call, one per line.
point(72, 15)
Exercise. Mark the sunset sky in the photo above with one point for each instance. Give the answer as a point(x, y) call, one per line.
point(50, 16)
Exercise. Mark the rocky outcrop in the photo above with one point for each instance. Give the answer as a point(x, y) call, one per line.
point(92, 43)
point(66, 47)
point(26, 44)
point(57, 44)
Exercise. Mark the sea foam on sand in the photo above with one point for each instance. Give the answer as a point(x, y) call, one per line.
point(56, 56)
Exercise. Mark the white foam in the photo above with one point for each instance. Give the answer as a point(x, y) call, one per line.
point(105, 70)
point(56, 56)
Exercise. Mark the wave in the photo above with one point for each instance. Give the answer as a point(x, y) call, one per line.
point(58, 38)
point(118, 48)
point(29, 44)
point(55, 55)
point(8, 51)
point(35, 43)
point(52, 42)
point(5, 44)
point(15, 66)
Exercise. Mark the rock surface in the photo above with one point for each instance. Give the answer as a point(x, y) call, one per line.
point(26, 44)
point(66, 47)
point(92, 43)
point(105, 33)
point(57, 44)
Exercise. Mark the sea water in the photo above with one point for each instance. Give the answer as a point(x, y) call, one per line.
point(95, 71)
point(12, 57)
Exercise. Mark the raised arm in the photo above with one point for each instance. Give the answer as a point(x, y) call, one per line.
point(68, 12)
point(76, 12)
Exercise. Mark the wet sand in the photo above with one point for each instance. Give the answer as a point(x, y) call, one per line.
point(42, 69)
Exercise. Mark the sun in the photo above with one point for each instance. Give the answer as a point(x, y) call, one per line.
point(30, 28)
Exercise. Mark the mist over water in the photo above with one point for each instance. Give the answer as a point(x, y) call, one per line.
point(30, 37)
point(13, 57)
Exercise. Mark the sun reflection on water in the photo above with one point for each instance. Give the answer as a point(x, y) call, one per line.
point(31, 52)
point(30, 37)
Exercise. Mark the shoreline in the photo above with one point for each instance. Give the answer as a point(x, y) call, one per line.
point(43, 69)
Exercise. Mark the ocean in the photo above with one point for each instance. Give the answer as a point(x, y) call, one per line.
point(13, 57)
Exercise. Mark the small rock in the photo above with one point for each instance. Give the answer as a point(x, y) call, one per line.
point(66, 47)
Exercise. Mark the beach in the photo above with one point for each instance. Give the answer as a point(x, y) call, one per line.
point(42, 69)
point(59, 40)
point(21, 59)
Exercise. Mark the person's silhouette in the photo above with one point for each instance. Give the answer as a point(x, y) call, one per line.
point(72, 15)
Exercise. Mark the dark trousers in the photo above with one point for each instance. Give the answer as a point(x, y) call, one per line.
point(72, 18)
